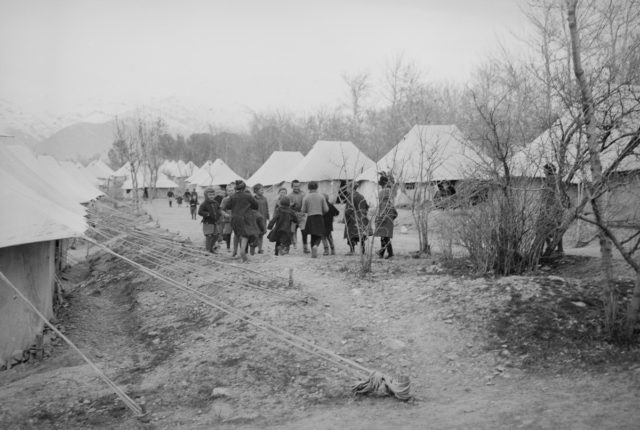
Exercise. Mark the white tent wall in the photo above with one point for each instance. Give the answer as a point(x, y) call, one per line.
point(83, 192)
point(21, 166)
point(330, 161)
point(403, 198)
point(30, 267)
point(215, 175)
point(34, 240)
point(275, 168)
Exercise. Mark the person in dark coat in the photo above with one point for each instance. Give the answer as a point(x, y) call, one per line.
point(280, 226)
point(327, 240)
point(243, 220)
point(209, 210)
point(225, 222)
point(263, 209)
point(356, 222)
point(193, 203)
point(385, 215)
point(170, 197)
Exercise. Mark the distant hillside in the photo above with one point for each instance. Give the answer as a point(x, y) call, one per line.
point(25, 127)
point(19, 137)
point(88, 131)
point(81, 139)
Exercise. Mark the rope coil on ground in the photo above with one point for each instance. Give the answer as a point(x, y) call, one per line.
point(377, 383)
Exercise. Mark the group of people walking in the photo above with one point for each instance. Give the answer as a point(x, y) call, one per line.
point(236, 212)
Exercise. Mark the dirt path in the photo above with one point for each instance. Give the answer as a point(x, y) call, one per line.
point(398, 330)
point(194, 367)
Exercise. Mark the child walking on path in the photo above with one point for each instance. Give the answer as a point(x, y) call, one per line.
point(327, 239)
point(193, 203)
point(210, 212)
point(225, 220)
point(243, 220)
point(263, 209)
point(281, 225)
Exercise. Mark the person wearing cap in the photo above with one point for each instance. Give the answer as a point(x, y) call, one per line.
point(243, 220)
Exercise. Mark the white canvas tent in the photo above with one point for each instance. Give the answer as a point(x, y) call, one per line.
point(20, 162)
point(170, 168)
point(217, 173)
point(187, 169)
point(79, 173)
point(199, 172)
point(83, 191)
point(425, 155)
point(545, 149)
point(40, 214)
point(98, 169)
point(275, 168)
point(331, 164)
point(124, 171)
point(143, 176)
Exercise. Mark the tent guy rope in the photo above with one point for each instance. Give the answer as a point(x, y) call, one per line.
point(375, 382)
point(132, 405)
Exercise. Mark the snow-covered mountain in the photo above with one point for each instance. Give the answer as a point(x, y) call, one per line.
point(23, 126)
point(88, 130)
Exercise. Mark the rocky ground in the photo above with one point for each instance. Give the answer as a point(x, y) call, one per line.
point(483, 353)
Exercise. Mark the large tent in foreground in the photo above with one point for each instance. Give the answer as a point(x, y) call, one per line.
point(44, 212)
point(426, 156)
point(331, 164)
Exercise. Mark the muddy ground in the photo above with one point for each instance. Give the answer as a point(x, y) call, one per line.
point(475, 356)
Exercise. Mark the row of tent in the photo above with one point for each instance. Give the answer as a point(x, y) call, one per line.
point(426, 154)
point(332, 163)
point(44, 206)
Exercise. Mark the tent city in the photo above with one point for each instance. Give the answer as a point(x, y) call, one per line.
point(418, 253)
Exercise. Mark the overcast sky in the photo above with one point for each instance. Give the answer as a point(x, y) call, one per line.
point(55, 54)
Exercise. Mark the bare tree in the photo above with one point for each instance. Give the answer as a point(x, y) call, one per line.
point(591, 56)
point(149, 132)
point(599, 139)
point(359, 89)
point(127, 148)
